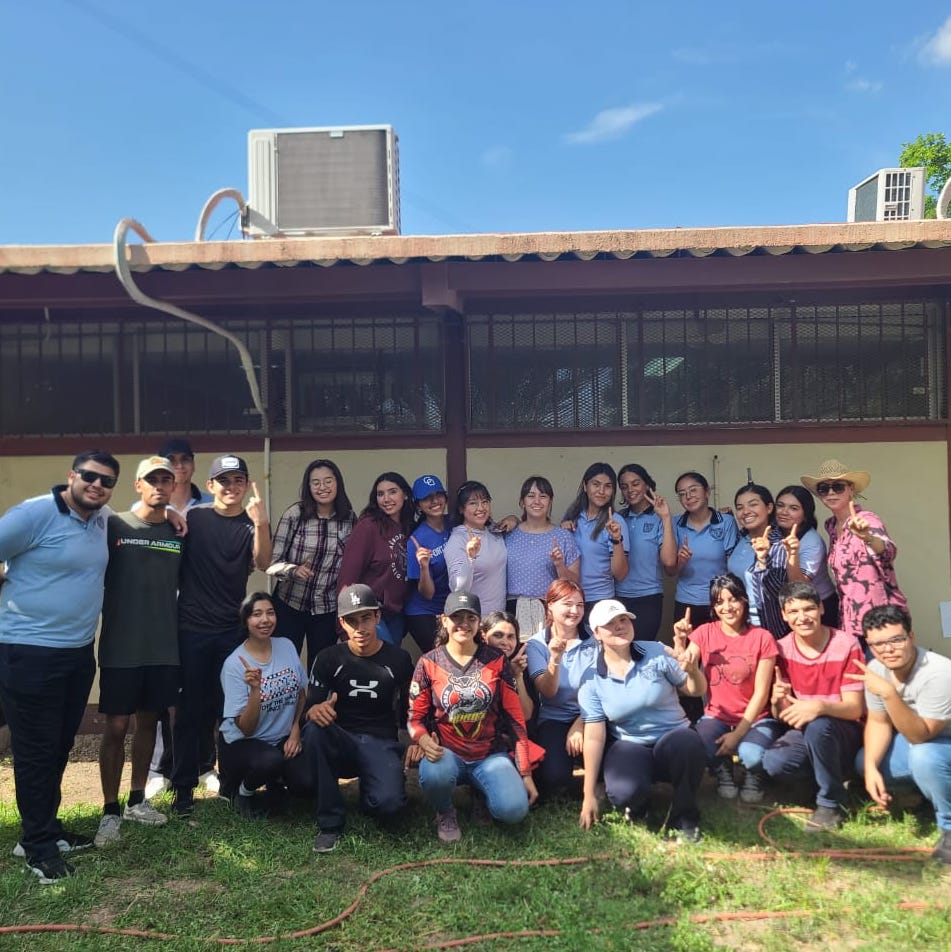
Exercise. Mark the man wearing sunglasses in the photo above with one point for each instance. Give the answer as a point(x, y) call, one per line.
point(226, 542)
point(54, 547)
point(908, 731)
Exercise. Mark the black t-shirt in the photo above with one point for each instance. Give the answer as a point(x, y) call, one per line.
point(371, 692)
point(215, 569)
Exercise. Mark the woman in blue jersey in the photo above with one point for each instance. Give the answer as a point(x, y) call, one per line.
point(653, 548)
point(426, 562)
point(704, 538)
point(601, 538)
point(538, 553)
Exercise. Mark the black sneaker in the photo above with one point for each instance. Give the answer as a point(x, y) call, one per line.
point(685, 830)
point(249, 808)
point(825, 819)
point(50, 871)
point(326, 841)
point(66, 842)
point(184, 803)
point(942, 851)
point(752, 789)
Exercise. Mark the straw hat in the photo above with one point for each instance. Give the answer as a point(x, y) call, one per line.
point(832, 470)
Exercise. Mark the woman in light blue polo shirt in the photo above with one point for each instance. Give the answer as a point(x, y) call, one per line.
point(601, 538)
point(635, 727)
point(653, 548)
point(705, 538)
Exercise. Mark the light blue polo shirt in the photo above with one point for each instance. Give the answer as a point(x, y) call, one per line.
point(575, 663)
point(710, 547)
point(56, 563)
point(646, 533)
point(643, 705)
point(596, 578)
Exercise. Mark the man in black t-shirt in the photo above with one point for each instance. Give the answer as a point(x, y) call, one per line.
point(225, 543)
point(356, 703)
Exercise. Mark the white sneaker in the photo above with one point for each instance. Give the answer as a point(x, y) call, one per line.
point(108, 831)
point(210, 781)
point(157, 786)
point(145, 813)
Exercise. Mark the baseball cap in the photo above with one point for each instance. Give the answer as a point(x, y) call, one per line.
point(606, 611)
point(463, 602)
point(355, 598)
point(426, 486)
point(176, 445)
point(153, 464)
point(227, 464)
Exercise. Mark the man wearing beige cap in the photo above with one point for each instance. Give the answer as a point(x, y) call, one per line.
point(138, 644)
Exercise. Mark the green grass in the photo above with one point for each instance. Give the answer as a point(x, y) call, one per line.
point(218, 875)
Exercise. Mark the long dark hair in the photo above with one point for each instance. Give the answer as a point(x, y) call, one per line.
point(728, 582)
point(763, 494)
point(805, 499)
point(581, 500)
point(374, 512)
point(308, 505)
point(640, 472)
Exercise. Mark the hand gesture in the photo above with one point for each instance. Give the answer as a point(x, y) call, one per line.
point(303, 572)
point(874, 683)
point(782, 689)
point(683, 554)
point(659, 504)
point(682, 631)
point(556, 555)
point(256, 510)
point(252, 675)
point(613, 526)
point(791, 545)
point(556, 648)
point(519, 662)
point(423, 555)
point(858, 523)
point(760, 546)
point(473, 544)
point(324, 713)
point(431, 748)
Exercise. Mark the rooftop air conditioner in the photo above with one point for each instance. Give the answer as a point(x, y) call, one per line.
point(341, 180)
point(889, 195)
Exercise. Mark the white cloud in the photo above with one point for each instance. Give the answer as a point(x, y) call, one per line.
point(612, 123)
point(859, 85)
point(497, 157)
point(850, 66)
point(937, 48)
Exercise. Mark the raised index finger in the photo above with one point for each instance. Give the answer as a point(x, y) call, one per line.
point(247, 667)
point(415, 543)
point(852, 511)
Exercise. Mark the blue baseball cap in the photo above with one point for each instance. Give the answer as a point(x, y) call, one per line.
point(426, 486)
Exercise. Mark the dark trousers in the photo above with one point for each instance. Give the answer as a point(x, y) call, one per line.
point(44, 693)
point(319, 630)
point(649, 610)
point(678, 758)
point(256, 763)
point(199, 704)
point(423, 630)
point(335, 754)
point(554, 773)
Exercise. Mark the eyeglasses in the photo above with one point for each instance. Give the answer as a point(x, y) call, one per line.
point(90, 476)
point(823, 489)
point(689, 492)
point(894, 642)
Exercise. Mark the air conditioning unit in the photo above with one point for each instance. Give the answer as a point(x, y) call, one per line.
point(340, 180)
point(889, 195)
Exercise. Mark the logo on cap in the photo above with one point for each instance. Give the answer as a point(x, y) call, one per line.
point(354, 598)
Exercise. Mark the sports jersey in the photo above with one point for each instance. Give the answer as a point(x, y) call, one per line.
point(474, 708)
point(427, 537)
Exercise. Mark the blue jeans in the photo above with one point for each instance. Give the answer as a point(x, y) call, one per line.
point(750, 750)
point(496, 777)
point(927, 766)
point(826, 749)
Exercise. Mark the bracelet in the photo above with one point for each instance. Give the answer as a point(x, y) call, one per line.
point(616, 541)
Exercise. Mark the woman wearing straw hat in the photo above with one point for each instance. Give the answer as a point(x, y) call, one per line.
point(861, 553)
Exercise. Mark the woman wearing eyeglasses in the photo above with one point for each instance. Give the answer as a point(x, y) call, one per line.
point(705, 538)
point(861, 553)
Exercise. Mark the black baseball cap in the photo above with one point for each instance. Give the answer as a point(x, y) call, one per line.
point(176, 445)
point(229, 463)
point(463, 602)
point(355, 598)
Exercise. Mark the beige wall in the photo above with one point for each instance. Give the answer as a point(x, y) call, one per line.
point(909, 490)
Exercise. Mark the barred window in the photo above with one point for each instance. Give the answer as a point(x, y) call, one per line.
point(707, 366)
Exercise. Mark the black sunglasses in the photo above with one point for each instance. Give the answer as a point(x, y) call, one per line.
point(88, 476)
point(823, 489)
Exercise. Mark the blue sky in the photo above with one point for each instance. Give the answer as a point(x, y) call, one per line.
point(512, 116)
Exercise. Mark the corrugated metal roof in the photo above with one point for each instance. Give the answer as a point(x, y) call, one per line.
point(541, 246)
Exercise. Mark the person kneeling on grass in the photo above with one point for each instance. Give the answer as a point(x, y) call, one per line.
point(820, 708)
point(259, 741)
point(356, 702)
point(635, 727)
point(908, 732)
point(464, 707)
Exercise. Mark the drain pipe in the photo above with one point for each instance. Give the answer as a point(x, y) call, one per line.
point(124, 273)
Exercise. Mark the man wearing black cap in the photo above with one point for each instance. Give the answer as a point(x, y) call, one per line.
point(226, 542)
point(356, 702)
point(185, 493)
